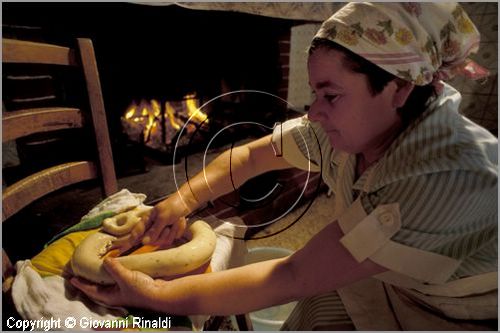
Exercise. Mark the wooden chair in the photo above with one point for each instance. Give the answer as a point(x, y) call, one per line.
point(24, 122)
point(27, 121)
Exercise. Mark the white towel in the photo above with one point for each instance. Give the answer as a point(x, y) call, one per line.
point(119, 202)
point(229, 252)
point(54, 297)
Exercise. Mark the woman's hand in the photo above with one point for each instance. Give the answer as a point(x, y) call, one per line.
point(132, 288)
point(165, 223)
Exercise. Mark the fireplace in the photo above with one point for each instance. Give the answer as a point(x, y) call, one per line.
point(159, 64)
point(175, 81)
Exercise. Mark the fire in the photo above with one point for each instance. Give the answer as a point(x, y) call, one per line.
point(193, 111)
point(131, 111)
point(147, 122)
point(170, 113)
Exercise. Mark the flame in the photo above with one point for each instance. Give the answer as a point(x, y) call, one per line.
point(156, 108)
point(170, 113)
point(131, 111)
point(152, 111)
point(192, 109)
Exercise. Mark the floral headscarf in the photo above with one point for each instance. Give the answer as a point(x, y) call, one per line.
point(418, 42)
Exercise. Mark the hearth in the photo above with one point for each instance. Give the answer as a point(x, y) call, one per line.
point(159, 64)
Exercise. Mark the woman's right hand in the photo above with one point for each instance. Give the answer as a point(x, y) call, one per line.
point(165, 223)
point(132, 288)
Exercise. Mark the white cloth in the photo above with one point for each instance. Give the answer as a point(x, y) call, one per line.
point(119, 202)
point(54, 297)
point(229, 252)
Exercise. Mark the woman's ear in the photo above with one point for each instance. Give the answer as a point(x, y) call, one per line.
point(403, 90)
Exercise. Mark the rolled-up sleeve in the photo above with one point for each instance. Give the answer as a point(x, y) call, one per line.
point(292, 140)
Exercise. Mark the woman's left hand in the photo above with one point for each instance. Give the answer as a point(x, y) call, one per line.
point(132, 288)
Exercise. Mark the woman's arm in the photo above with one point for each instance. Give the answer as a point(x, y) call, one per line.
point(322, 265)
point(225, 173)
point(229, 171)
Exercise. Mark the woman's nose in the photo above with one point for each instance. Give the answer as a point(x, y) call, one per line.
point(314, 114)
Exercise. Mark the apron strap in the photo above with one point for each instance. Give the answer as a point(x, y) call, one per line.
point(368, 236)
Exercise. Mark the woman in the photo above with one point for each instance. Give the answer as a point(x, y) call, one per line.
point(415, 188)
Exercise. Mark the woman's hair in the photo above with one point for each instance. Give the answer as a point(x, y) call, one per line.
point(378, 79)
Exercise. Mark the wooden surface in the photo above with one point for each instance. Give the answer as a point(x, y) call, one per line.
point(91, 74)
point(35, 186)
point(39, 120)
point(17, 51)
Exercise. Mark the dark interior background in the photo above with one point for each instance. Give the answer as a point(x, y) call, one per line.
point(161, 52)
point(144, 52)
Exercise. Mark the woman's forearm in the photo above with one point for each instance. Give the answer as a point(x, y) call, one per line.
point(323, 264)
point(228, 292)
point(223, 175)
point(229, 171)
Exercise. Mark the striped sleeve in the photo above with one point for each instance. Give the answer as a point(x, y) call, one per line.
point(322, 312)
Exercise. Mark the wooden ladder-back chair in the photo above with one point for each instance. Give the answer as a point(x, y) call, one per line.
point(23, 122)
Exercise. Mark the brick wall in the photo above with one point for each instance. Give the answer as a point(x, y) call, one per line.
point(284, 62)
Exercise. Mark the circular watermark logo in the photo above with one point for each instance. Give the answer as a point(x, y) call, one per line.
point(230, 131)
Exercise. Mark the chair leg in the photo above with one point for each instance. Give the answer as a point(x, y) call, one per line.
point(244, 322)
point(8, 272)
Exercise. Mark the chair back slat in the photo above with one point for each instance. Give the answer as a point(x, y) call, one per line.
point(39, 120)
point(35, 186)
point(18, 51)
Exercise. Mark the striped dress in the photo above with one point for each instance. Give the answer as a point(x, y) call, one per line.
point(442, 171)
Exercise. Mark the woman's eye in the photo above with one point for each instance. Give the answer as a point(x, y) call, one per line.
point(330, 98)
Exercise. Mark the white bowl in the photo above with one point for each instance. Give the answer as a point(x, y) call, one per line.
point(269, 319)
point(257, 254)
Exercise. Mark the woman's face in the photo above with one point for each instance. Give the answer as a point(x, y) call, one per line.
point(354, 120)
